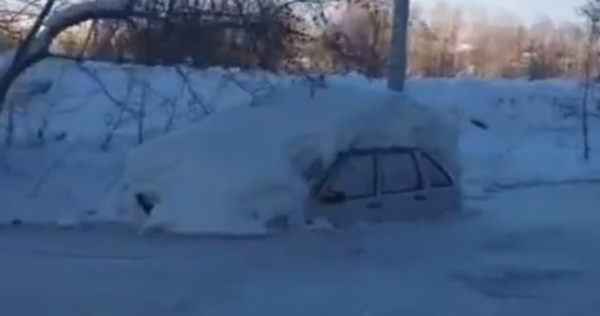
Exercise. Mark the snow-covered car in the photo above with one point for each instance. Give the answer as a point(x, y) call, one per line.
point(384, 184)
point(249, 170)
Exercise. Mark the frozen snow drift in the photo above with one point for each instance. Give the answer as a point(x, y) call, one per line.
point(241, 167)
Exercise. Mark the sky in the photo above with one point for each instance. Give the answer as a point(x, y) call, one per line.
point(529, 10)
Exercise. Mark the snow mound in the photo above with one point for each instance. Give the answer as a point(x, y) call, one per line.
point(242, 167)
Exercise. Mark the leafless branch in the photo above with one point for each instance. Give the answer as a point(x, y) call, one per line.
point(94, 76)
point(189, 86)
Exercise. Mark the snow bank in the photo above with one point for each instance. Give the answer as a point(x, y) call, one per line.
point(240, 168)
point(534, 130)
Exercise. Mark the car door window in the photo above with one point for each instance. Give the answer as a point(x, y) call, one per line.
point(355, 179)
point(438, 177)
point(399, 172)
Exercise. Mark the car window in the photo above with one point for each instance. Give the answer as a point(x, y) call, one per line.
point(437, 176)
point(355, 179)
point(399, 172)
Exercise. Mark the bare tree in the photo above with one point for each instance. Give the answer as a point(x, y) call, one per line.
point(46, 27)
point(19, 63)
point(266, 24)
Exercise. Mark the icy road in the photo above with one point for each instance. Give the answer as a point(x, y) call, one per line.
point(530, 252)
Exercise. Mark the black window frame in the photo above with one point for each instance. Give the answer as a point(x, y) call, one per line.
point(437, 165)
point(338, 165)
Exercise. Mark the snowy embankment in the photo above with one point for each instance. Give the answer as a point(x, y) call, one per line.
point(71, 142)
point(534, 135)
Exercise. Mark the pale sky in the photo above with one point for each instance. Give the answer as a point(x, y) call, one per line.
point(530, 10)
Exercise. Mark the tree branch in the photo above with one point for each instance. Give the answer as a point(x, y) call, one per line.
point(23, 58)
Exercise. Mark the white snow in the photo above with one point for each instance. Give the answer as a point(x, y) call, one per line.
point(241, 145)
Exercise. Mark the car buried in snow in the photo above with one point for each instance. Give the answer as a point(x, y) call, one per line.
point(374, 185)
point(377, 156)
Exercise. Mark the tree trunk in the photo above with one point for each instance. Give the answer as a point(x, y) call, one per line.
point(24, 57)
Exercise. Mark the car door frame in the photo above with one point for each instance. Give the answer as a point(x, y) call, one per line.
point(351, 210)
point(442, 199)
point(403, 205)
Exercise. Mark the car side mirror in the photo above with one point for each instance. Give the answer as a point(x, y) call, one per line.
point(333, 197)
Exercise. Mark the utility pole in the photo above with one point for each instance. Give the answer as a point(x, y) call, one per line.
point(398, 52)
point(589, 86)
point(591, 11)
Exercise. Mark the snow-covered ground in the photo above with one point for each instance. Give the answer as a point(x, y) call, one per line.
point(71, 142)
point(529, 252)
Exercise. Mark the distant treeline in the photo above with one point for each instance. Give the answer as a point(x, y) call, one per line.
point(354, 35)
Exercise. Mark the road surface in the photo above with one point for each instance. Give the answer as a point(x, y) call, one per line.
point(530, 252)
